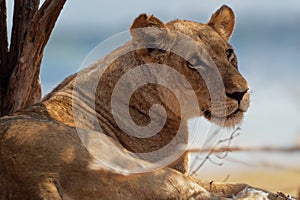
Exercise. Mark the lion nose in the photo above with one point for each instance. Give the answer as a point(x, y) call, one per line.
point(236, 95)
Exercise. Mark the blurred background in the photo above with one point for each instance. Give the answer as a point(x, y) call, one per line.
point(266, 41)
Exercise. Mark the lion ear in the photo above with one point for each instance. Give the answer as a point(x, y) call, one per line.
point(223, 21)
point(149, 32)
point(147, 21)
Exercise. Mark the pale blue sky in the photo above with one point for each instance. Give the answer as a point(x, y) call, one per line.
point(109, 12)
point(104, 11)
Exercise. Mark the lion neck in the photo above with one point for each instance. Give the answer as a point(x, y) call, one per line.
point(94, 87)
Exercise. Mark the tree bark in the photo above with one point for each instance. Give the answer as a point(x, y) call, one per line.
point(3, 53)
point(30, 33)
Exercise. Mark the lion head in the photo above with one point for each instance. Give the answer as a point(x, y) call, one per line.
point(206, 59)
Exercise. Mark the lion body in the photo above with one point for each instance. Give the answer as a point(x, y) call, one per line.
point(40, 147)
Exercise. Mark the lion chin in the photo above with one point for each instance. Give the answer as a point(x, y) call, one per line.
point(229, 121)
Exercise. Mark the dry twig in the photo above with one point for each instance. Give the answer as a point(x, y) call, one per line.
point(211, 151)
point(248, 149)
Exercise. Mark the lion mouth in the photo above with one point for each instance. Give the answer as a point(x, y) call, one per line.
point(223, 119)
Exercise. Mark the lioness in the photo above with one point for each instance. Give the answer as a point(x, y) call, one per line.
point(42, 156)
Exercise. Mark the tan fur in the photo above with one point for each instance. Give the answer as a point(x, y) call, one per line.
point(54, 159)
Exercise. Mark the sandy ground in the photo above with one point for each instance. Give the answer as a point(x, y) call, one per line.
point(287, 182)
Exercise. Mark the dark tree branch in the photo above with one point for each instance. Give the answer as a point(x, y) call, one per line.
point(24, 86)
point(3, 52)
point(24, 10)
point(3, 36)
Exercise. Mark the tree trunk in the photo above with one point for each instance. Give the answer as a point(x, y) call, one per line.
point(3, 54)
point(20, 64)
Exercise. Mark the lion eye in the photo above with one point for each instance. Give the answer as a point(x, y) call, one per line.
point(190, 65)
point(196, 63)
point(230, 56)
